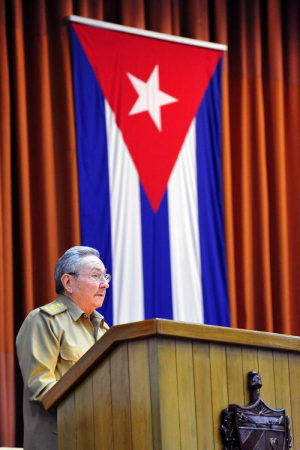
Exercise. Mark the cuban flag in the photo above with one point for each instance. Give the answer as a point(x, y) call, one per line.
point(148, 125)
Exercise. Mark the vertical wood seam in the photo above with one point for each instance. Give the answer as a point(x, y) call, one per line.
point(227, 378)
point(131, 440)
point(76, 418)
point(218, 432)
point(274, 380)
point(155, 394)
point(94, 428)
point(151, 391)
point(194, 382)
point(291, 403)
point(111, 407)
point(177, 391)
point(211, 396)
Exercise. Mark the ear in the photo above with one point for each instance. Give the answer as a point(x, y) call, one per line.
point(67, 281)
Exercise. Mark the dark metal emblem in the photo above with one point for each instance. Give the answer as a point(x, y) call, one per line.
point(256, 426)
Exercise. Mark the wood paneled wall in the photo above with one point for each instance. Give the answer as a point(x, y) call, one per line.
point(168, 393)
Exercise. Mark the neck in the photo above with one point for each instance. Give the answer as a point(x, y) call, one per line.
point(84, 308)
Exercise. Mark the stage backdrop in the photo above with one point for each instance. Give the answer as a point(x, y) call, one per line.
point(148, 125)
point(260, 156)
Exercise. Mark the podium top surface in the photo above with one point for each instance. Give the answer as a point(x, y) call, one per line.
point(162, 328)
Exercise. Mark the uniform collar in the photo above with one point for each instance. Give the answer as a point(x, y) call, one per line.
point(75, 311)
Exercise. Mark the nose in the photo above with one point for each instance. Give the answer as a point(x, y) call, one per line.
point(104, 283)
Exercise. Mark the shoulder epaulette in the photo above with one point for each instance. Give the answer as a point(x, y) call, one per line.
point(54, 308)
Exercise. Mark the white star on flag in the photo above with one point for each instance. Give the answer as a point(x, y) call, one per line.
point(151, 98)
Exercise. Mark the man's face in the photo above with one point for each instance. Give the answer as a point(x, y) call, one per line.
point(87, 291)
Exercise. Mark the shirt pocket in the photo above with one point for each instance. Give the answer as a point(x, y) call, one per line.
point(69, 356)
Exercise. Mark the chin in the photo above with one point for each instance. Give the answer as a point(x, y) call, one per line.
point(99, 303)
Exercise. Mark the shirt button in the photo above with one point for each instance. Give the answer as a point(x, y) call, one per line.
point(77, 356)
point(85, 315)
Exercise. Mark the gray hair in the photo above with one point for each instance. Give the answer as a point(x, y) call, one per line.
point(71, 262)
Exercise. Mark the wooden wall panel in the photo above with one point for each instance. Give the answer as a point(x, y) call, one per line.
point(103, 406)
point(294, 376)
point(167, 372)
point(266, 371)
point(186, 394)
point(234, 368)
point(85, 415)
point(120, 398)
point(66, 420)
point(203, 395)
point(140, 398)
point(282, 383)
point(155, 393)
point(250, 362)
point(219, 388)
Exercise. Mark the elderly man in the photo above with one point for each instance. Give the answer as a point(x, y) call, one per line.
point(53, 338)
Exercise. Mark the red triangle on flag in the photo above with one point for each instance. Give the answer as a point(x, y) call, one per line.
point(155, 88)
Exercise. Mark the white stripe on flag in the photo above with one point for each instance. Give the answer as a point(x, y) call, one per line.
point(184, 234)
point(128, 291)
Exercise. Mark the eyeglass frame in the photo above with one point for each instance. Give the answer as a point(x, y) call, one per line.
point(101, 278)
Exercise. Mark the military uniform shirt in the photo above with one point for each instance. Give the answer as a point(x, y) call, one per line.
point(50, 341)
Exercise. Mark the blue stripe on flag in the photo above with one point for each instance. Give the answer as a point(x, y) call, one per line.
point(156, 259)
point(92, 163)
point(210, 200)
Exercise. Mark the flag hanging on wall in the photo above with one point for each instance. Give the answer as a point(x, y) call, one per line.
point(148, 125)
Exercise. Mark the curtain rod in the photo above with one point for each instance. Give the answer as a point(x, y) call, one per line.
point(146, 33)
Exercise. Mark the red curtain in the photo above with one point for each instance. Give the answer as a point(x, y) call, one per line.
point(261, 161)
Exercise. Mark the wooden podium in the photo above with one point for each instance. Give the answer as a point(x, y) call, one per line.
point(160, 384)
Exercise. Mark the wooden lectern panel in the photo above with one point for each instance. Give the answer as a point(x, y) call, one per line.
point(186, 394)
point(235, 379)
point(282, 387)
point(293, 380)
point(120, 397)
point(66, 420)
point(103, 405)
point(140, 394)
point(166, 390)
point(219, 392)
point(204, 412)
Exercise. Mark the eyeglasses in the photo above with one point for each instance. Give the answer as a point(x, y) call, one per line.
point(96, 277)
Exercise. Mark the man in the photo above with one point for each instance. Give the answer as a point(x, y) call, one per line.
point(53, 338)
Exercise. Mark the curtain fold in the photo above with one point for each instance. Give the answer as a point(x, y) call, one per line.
point(7, 406)
point(39, 205)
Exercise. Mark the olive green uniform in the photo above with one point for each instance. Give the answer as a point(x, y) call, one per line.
point(50, 341)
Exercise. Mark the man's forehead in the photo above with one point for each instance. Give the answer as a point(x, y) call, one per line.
point(92, 262)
